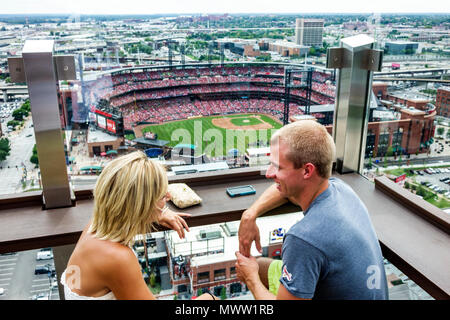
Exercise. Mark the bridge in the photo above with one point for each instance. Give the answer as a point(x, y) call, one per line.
point(411, 79)
point(412, 72)
point(8, 92)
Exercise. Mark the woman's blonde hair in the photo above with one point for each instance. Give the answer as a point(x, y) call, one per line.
point(126, 196)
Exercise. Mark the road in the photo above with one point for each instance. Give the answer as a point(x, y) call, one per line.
point(11, 170)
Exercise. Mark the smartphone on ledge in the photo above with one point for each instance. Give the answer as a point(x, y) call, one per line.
point(241, 191)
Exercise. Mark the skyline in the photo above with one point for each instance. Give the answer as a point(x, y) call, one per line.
point(143, 7)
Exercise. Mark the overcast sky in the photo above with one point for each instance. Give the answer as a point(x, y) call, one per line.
point(224, 6)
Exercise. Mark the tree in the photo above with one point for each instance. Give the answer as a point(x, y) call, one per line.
point(18, 114)
point(4, 148)
point(440, 131)
point(34, 157)
point(223, 293)
point(152, 279)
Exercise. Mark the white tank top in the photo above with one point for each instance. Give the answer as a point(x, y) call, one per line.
point(70, 295)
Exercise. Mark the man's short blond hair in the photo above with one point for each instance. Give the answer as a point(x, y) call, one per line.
point(308, 142)
point(126, 196)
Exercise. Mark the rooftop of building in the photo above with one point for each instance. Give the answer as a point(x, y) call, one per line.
point(100, 136)
point(227, 244)
point(410, 96)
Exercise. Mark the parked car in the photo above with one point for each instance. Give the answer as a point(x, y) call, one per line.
point(2, 291)
point(44, 254)
point(40, 296)
point(44, 270)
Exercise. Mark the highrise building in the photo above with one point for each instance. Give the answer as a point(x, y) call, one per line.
point(308, 32)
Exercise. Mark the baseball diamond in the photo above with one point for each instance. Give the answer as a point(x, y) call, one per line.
point(217, 133)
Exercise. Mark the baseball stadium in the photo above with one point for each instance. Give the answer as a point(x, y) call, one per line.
point(217, 107)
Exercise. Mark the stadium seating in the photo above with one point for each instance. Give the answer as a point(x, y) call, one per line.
point(165, 95)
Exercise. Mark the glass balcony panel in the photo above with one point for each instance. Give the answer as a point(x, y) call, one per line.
point(411, 147)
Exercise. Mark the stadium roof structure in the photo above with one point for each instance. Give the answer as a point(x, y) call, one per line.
point(152, 143)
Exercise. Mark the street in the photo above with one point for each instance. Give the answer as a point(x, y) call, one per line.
point(18, 280)
point(12, 168)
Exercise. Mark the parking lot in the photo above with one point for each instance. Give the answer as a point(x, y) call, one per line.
point(435, 179)
point(7, 266)
point(6, 110)
point(19, 281)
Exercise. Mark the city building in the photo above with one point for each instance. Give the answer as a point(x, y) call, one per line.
point(100, 142)
point(288, 49)
point(401, 47)
point(308, 32)
point(443, 102)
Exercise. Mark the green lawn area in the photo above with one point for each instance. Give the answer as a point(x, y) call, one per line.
point(441, 203)
point(214, 140)
point(242, 121)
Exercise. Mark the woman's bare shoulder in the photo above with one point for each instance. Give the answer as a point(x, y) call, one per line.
point(103, 255)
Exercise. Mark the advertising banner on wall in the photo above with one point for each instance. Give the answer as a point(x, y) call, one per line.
point(111, 125)
point(101, 122)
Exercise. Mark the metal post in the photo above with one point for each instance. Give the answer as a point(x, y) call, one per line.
point(355, 60)
point(42, 87)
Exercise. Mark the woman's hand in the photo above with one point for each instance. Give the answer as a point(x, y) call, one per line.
point(173, 220)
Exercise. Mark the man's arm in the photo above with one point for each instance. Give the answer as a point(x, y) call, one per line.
point(247, 271)
point(248, 230)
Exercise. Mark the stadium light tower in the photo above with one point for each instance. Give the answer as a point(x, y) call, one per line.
point(222, 54)
point(170, 54)
point(305, 83)
point(183, 61)
point(210, 52)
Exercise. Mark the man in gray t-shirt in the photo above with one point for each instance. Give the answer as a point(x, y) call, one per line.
point(333, 252)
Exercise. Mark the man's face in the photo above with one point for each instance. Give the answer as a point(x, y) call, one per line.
point(281, 170)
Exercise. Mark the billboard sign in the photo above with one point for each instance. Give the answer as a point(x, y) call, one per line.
point(111, 125)
point(101, 122)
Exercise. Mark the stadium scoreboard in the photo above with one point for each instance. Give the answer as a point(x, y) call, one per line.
point(108, 122)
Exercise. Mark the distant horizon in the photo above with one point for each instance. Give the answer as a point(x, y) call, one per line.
point(183, 7)
point(222, 13)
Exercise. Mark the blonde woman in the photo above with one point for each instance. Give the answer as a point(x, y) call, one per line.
point(129, 197)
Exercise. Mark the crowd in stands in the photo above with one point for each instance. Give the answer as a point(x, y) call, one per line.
point(160, 111)
point(163, 95)
point(317, 98)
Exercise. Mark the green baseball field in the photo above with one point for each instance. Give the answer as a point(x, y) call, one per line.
point(217, 134)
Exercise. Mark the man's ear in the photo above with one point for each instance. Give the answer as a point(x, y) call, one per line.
point(309, 170)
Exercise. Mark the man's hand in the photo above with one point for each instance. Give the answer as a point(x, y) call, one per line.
point(246, 269)
point(248, 232)
point(173, 220)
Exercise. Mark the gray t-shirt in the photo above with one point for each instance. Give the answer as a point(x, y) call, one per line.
point(333, 252)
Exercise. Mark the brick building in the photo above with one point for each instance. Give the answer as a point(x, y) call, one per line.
point(443, 102)
point(409, 129)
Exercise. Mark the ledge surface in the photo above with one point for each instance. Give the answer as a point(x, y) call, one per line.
point(419, 248)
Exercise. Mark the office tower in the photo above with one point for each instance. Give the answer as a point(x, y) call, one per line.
point(308, 32)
